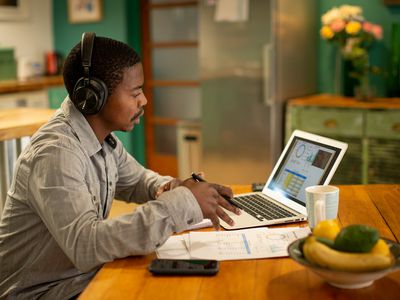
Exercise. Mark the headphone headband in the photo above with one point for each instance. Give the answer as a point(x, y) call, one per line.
point(87, 43)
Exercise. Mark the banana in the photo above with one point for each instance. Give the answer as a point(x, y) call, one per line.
point(320, 254)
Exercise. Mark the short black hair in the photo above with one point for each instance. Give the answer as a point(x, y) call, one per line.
point(110, 58)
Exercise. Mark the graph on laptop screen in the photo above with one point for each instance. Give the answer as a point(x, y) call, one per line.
point(306, 163)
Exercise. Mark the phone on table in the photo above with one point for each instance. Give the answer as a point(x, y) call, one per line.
point(184, 267)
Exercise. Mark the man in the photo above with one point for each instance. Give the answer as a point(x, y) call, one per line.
point(54, 234)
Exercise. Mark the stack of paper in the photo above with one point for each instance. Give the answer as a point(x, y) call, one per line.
point(231, 245)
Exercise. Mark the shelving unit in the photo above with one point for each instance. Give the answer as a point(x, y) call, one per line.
point(372, 130)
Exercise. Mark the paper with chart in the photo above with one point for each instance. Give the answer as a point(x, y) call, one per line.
point(243, 244)
point(174, 248)
point(231, 245)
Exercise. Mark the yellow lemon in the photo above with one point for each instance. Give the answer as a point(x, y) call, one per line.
point(327, 229)
point(381, 248)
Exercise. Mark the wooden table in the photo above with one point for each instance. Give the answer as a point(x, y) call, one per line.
point(14, 124)
point(278, 278)
point(22, 121)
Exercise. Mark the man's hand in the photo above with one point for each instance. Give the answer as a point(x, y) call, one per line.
point(210, 199)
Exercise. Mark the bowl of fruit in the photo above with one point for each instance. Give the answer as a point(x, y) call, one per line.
point(351, 257)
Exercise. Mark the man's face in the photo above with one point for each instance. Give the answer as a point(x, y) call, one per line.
point(124, 107)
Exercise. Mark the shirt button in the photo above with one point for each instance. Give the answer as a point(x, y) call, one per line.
point(190, 221)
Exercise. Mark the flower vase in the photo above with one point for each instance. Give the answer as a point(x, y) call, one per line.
point(344, 83)
point(338, 74)
point(363, 91)
point(349, 83)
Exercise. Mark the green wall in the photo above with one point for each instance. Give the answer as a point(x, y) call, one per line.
point(374, 11)
point(120, 21)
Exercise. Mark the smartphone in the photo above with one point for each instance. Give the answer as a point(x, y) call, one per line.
point(184, 267)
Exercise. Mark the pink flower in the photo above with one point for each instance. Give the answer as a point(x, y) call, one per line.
point(337, 25)
point(367, 27)
point(377, 31)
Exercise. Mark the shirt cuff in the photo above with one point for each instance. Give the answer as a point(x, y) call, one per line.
point(182, 207)
point(163, 180)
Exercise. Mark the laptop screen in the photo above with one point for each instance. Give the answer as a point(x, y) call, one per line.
point(306, 163)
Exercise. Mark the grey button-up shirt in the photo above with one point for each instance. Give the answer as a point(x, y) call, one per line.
point(54, 234)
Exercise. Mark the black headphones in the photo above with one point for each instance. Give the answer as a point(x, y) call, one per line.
point(90, 93)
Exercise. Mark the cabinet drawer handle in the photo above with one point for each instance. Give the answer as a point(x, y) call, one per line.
point(396, 127)
point(330, 123)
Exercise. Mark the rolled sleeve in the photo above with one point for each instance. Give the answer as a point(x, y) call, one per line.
point(182, 207)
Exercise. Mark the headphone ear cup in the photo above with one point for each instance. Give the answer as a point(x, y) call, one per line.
point(100, 89)
point(90, 98)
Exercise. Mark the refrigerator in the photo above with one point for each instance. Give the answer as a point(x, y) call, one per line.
point(249, 68)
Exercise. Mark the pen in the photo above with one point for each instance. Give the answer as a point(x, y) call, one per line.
point(197, 177)
point(201, 179)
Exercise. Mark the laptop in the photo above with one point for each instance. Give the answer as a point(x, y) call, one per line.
point(308, 159)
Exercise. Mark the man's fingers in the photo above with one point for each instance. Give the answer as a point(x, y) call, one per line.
point(215, 221)
point(227, 205)
point(224, 216)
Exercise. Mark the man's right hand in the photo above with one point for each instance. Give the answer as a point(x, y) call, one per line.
point(209, 197)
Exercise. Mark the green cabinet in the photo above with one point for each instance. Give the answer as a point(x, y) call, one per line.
point(372, 131)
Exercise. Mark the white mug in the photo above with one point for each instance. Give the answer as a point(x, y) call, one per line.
point(322, 203)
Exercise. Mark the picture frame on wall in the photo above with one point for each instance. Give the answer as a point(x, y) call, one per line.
point(84, 11)
point(14, 10)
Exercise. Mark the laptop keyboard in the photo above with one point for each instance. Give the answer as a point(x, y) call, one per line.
point(260, 208)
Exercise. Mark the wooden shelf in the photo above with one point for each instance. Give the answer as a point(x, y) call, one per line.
point(38, 83)
point(175, 44)
point(173, 4)
point(164, 121)
point(192, 83)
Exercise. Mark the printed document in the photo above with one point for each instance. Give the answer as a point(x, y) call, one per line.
point(232, 245)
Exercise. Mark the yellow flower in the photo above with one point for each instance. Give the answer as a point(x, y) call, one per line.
point(353, 27)
point(326, 32)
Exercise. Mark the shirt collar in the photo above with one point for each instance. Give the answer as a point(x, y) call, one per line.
point(81, 127)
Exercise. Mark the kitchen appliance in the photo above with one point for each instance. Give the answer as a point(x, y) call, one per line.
point(249, 67)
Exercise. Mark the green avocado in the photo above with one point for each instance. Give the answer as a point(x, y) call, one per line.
point(356, 238)
point(325, 241)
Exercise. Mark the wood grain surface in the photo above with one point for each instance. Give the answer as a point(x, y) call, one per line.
point(22, 121)
point(277, 278)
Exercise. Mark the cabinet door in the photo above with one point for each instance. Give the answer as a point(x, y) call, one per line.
point(328, 121)
point(383, 160)
point(350, 168)
point(383, 124)
point(170, 60)
point(383, 144)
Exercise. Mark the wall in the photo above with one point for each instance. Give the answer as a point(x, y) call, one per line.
point(374, 11)
point(66, 35)
point(120, 21)
point(30, 37)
